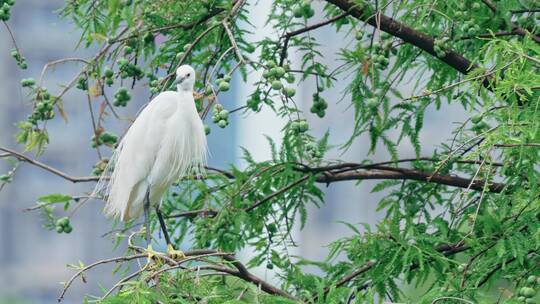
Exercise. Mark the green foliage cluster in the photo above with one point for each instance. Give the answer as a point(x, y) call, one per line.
point(444, 239)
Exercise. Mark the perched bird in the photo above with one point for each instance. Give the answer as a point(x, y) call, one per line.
point(166, 142)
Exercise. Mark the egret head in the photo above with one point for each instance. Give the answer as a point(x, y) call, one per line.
point(185, 78)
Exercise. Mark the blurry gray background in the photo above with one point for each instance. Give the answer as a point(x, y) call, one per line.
point(33, 260)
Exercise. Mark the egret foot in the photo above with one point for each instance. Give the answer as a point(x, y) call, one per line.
point(175, 254)
point(152, 255)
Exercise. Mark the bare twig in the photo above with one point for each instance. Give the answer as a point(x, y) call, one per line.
point(41, 165)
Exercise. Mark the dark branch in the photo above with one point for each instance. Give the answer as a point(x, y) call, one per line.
point(381, 172)
point(289, 35)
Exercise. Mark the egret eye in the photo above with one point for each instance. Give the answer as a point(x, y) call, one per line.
point(188, 74)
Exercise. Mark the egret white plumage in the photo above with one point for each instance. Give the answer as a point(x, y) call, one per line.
point(167, 141)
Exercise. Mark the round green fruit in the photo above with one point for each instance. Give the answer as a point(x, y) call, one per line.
point(222, 123)
point(62, 221)
point(224, 114)
point(303, 126)
point(223, 86)
point(298, 12)
point(68, 229)
point(277, 85)
point(108, 72)
point(289, 92)
point(279, 72)
point(527, 292)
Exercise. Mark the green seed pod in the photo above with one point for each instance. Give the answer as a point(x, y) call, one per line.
point(531, 279)
point(290, 78)
point(223, 86)
point(222, 123)
point(179, 55)
point(109, 82)
point(298, 12)
point(68, 229)
point(62, 221)
point(122, 62)
point(128, 50)
point(289, 92)
point(271, 64)
point(59, 229)
point(108, 138)
point(476, 119)
point(527, 292)
point(206, 129)
point(308, 12)
point(295, 126)
point(218, 107)
point(303, 126)
point(279, 72)
point(216, 118)
point(108, 72)
point(187, 46)
point(49, 115)
point(224, 114)
point(227, 78)
point(28, 82)
point(277, 85)
point(359, 35)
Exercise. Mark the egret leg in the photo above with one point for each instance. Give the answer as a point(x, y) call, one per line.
point(146, 208)
point(175, 254)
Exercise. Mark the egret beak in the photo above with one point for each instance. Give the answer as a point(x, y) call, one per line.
point(179, 80)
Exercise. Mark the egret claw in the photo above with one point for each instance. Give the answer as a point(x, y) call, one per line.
point(175, 254)
point(151, 254)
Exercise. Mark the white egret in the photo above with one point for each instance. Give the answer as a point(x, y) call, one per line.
point(166, 142)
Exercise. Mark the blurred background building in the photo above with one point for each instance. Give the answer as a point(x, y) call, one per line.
point(33, 260)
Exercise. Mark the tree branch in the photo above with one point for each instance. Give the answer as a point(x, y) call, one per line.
point(382, 172)
point(289, 35)
point(54, 171)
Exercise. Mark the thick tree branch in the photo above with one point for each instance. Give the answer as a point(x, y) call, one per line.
point(382, 172)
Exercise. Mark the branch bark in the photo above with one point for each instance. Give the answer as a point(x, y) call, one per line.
point(382, 172)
